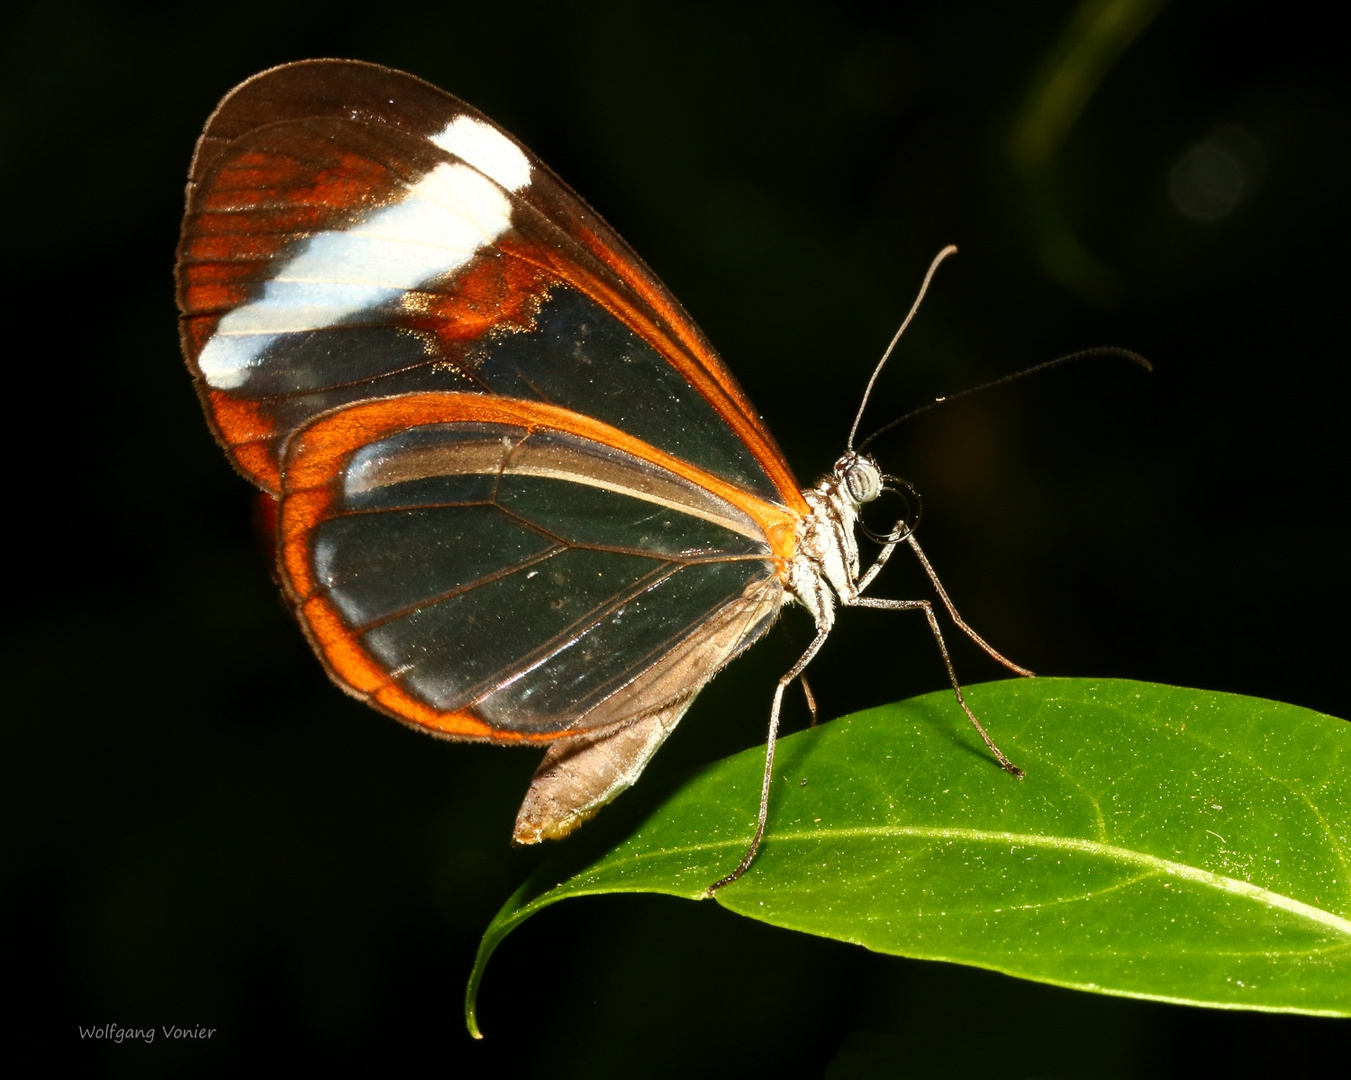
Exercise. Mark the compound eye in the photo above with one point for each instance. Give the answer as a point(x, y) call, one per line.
point(863, 481)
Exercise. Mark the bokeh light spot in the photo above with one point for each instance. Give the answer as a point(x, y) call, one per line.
point(1213, 177)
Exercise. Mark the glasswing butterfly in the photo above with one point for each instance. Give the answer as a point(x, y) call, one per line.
point(518, 497)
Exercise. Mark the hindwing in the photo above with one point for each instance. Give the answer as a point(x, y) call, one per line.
point(492, 569)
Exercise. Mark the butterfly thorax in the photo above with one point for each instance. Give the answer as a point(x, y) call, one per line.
point(825, 567)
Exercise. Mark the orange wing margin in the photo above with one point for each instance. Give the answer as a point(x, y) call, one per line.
point(314, 463)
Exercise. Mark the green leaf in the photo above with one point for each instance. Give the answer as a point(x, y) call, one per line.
point(1170, 844)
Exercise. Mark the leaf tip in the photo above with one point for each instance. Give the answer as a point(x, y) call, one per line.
point(471, 1004)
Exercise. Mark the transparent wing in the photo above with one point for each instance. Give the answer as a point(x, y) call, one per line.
point(499, 575)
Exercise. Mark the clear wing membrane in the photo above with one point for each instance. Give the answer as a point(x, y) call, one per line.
point(537, 581)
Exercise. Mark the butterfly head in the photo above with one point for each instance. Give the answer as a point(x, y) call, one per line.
point(859, 476)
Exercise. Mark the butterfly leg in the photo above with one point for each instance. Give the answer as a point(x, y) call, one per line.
point(784, 683)
point(952, 611)
point(811, 699)
point(879, 562)
point(927, 608)
point(961, 623)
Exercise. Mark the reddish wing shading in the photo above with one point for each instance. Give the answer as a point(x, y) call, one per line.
point(306, 283)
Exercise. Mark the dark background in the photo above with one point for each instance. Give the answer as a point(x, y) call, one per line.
point(198, 829)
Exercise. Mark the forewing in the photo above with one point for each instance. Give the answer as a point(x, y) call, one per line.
point(488, 569)
point(353, 232)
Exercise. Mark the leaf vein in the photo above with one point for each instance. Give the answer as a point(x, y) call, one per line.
point(1076, 845)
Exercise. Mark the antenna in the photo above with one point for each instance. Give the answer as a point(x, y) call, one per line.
point(951, 249)
point(1082, 354)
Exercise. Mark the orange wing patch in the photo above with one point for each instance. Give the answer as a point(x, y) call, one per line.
point(501, 288)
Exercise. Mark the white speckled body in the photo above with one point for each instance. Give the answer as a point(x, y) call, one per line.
point(825, 567)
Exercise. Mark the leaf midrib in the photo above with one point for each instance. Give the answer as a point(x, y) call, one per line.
point(1071, 844)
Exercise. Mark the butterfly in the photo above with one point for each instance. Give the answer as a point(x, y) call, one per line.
point(518, 497)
